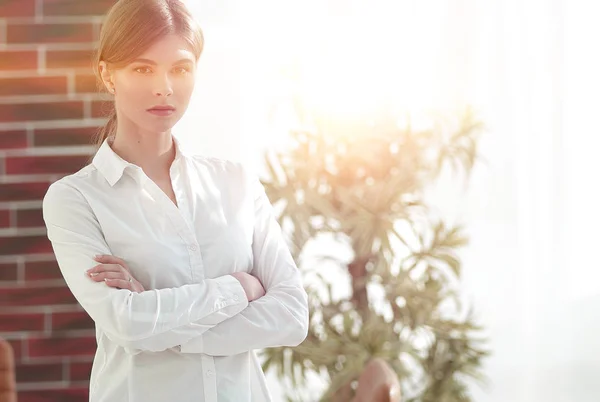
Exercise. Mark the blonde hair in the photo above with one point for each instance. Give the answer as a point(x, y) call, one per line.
point(130, 28)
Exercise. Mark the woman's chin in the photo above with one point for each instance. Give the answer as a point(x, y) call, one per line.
point(159, 125)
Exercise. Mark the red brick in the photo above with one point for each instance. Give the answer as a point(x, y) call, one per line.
point(77, 7)
point(17, 8)
point(49, 33)
point(33, 86)
point(18, 60)
point(64, 136)
point(40, 270)
point(23, 191)
point(13, 139)
point(21, 322)
point(30, 218)
point(8, 272)
point(4, 218)
point(102, 108)
point(79, 394)
point(36, 296)
point(61, 346)
point(86, 83)
point(17, 347)
point(24, 245)
point(40, 372)
point(45, 164)
point(80, 371)
point(40, 111)
point(69, 59)
point(71, 321)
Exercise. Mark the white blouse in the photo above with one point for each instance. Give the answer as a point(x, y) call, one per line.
point(192, 334)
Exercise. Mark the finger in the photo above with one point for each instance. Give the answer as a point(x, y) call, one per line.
point(99, 277)
point(119, 283)
point(106, 268)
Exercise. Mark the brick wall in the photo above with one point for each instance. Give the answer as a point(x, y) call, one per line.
point(48, 112)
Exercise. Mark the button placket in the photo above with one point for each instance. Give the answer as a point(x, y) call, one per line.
point(177, 217)
point(175, 175)
point(179, 188)
point(209, 377)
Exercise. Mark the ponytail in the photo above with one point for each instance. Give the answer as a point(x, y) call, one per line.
point(109, 129)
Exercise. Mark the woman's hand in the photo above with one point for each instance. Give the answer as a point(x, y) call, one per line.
point(252, 286)
point(115, 273)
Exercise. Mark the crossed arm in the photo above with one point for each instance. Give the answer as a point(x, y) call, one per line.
point(280, 317)
point(211, 317)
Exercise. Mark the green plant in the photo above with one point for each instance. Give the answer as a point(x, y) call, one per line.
point(364, 185)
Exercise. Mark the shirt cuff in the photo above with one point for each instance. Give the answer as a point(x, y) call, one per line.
point(232, 292)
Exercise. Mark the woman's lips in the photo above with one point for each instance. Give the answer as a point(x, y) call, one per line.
point(161, 112)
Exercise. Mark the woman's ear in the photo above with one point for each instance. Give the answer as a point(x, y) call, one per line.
point(107, 77)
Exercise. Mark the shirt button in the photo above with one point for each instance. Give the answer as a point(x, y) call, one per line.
point(193, 247)
point(209, 373)
point(236, 297)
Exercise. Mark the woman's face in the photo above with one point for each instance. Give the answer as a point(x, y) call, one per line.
point(153, 92)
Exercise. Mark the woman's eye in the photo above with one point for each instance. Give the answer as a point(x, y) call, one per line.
point(143, 70)
point(182, 70)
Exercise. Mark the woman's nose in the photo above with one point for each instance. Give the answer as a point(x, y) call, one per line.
point(164, 92)
point(163, 87)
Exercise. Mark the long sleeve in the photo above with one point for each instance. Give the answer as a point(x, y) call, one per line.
point(280, 318)
point(153, 320)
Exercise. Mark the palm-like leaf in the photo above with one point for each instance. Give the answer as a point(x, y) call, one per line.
point(359, 187)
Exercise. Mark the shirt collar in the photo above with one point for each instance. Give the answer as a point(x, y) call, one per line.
point(112, 166)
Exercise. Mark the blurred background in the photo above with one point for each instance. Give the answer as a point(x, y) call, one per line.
point(527, 70)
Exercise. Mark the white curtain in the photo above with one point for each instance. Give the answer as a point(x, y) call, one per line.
point(530, 69)
point(532, 209)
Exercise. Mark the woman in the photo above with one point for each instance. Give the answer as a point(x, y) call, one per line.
point(178, 259)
